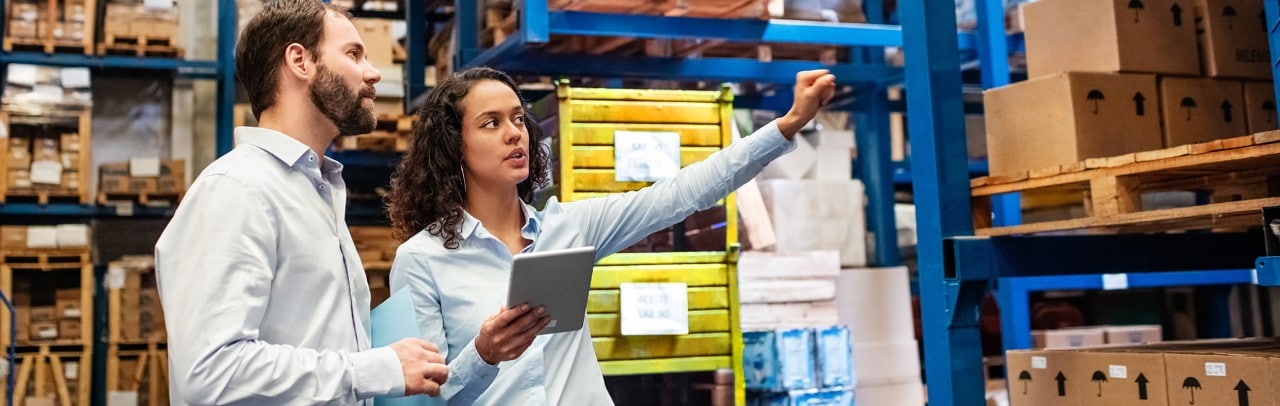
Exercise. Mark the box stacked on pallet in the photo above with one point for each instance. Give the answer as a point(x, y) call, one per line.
point(142, 29)
point(793, 352)
point(47, 273)
point(377, 251)
point(799, 366)
point(49, 25)
point(1111, 78)
point(45, 115)
point(137, 367)
point(146, 181)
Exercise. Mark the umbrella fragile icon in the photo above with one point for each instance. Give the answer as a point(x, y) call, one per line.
point(1191, 384)
point(1024, 377)
point(1099, 378)
point(1136, 6)
point(1188, 104)
point(1095, 96)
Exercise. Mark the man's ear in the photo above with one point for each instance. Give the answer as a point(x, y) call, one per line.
point(298, 62)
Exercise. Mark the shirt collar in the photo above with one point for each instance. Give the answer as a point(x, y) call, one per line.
point(532, 224)
point(283, 147)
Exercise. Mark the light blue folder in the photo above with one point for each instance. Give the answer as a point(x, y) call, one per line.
point(391, 321)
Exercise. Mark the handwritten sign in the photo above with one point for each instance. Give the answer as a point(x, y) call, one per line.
point(645, 156)
point(655, 309)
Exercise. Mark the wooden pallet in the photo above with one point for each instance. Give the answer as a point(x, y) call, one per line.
point(59, 258)
point(45, 194)
point(47, 45)
point(151, 366)
point(1241, 175)
point(142, 198)
point(140, 46)
point(41, 197)
point(35, 370)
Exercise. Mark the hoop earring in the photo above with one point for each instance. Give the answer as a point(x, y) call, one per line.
point(462, 172)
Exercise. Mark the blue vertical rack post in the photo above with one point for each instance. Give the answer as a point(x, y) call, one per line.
point(993, 54)
point(875, 162)
point(941, 183)
point(227, 27)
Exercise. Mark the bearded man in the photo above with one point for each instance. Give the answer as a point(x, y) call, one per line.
point(264, 295)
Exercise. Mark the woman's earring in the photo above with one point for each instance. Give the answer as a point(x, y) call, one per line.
point(462, 172)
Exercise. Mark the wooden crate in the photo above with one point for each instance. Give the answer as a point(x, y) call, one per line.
point(51, 126)
point(51, 34)
point(134, 314)
point(390, 134)
point(581, 123)
point(60, 376)
point(130, 29)
point(140, 371)
point(1239, 174)
point(46, 264)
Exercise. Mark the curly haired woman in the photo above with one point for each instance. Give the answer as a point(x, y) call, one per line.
point(460, 200)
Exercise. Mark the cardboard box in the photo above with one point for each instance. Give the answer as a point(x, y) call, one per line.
point(44, 314)
point(1068, 337)
point(13, 237)
point(1217, 379)
point(73, 235)
point(19, 178)
point(42, 237)
point(376, 34)
point(142, 185)
point(1199, 110)
point(1069, 117)
point(1118, 378)
point(1233, 39)
point(1133, 335)
point(70, 142)
point(1039, 377)
point(69, 329)
point(44, 331)
point(1110, 36)
point(68, 304)
point(1260, 106)
point(113, 184)
point(71, 180)
point(23, 29)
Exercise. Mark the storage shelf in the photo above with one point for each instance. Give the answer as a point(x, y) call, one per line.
point(183, 68)
point(79, 210)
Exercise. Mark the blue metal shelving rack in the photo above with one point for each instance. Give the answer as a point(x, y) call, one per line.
point(222, 69)
point(956, 270)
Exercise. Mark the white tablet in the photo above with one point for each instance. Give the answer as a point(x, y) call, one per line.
point(560, 280)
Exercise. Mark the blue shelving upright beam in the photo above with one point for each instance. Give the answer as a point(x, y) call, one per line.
point(993, 54)
point(227, 27)
point(875, 166)
point(1273, 34)
point(949, 309)
point(415, 64)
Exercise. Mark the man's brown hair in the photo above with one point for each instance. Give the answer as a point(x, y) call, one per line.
point(263, 41)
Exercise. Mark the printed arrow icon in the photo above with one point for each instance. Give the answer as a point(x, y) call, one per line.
point(1062, 384)
point(1177, 14)
point(1139, 104)
point(1226, 111)
point(1242, 392)
point(1142, 386)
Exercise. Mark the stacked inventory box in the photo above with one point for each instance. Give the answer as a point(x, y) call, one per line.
point(50, 25)
point(47, 273)
point(586, 128)
point(1111, 78)
point(45, 115)
point(142, 180)
point(799, 366)
point(137, 367)
point(140, 29)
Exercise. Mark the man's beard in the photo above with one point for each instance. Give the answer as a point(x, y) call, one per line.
point(341, 105)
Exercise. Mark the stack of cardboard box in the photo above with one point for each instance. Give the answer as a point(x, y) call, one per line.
point(141, 317)
point(379, 46)
point(799, 366)
point(1111, 77)
point(1076, 337)
point(143, 176)
point(46, 311)
point(1208, 372)
point(24, 20)
point(155, 23)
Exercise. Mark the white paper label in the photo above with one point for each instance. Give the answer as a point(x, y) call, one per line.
point(655, 308)
point(1215, 369)
point(144, 167)
point(21, 74)
point(115, 277)
point(158, 4)
point(46, 94)
point(1115, 281)
point(122, 398)
point(1119, 371)
point(643, 156)
point(75, 78)
point(48, 332)
point(124, 209)
point(46, 172)
point(1039, 363)
point(71, 370)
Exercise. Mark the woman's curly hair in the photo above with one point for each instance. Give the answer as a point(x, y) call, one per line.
point(427, 188)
